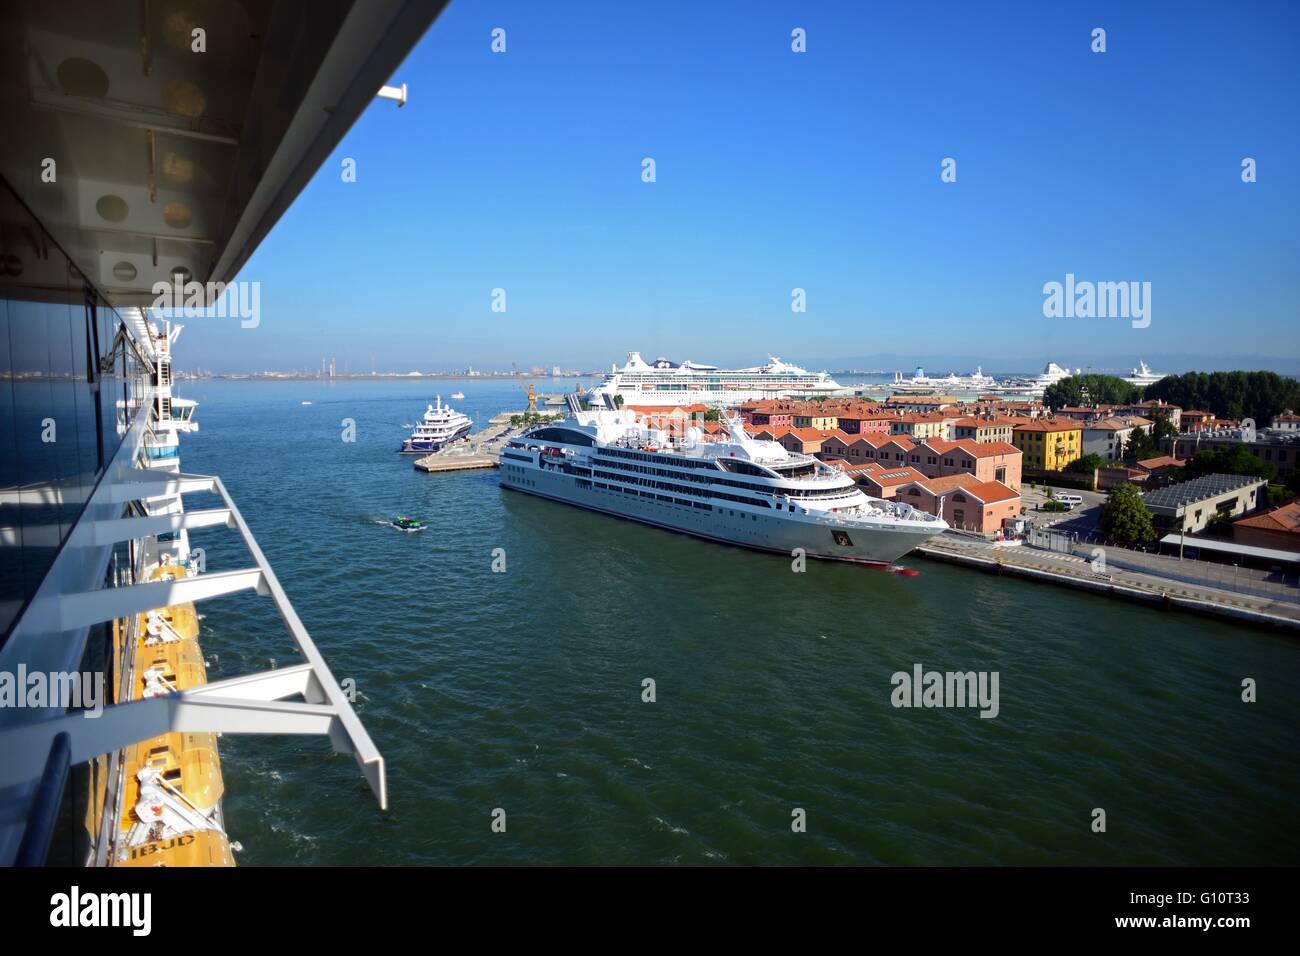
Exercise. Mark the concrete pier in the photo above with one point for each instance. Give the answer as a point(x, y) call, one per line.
point(480, 450)
point(1074, 571)
point(444, 462)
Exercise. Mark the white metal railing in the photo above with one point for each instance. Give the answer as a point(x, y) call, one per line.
point(250, 704)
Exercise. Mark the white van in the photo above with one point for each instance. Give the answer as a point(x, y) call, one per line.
point(1071, 500)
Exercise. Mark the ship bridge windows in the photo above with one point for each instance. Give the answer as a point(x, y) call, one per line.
point(566, 436)
point(796, 471)
point(739, 466)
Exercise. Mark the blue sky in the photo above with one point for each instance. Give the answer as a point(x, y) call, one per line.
point(819, 170)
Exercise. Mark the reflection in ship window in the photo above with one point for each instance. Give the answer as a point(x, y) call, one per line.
point(37, 509)
point(11, 584)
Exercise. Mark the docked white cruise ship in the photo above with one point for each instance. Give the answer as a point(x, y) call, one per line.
point(738, 491)
point(686, 383)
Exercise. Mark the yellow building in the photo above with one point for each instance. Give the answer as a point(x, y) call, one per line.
point(1049, 445)
point(919, 426)
point(819, 420)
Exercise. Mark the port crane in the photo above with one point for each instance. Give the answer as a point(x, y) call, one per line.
point(528, 388)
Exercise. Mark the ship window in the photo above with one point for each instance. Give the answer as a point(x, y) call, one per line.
point(567, 436)
point(740, 467)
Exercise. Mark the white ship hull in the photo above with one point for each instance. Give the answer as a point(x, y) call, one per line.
point(764, 530)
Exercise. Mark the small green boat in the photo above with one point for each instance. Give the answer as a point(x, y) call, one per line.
point(407, 524)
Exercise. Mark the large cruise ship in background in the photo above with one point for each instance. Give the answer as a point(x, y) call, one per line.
point(922, 384)
point(737, 490)
point(1033, 387)
point(127, 160)
point(686, 383)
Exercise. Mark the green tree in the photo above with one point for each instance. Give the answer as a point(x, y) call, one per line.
point(1090, 390)
point(1140, 446)
point(1087, 464)
point(1232, 460)
point(1234, 395)
point(618, 401)
point(1163, 427)
point(1125, 518)
point(1279, 495)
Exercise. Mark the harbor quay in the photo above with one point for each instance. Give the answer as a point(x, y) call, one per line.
point(1157, 586)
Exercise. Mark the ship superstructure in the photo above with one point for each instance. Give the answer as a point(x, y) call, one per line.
point(684, 383)
point(739, 490)
point(1142, 376)
point(130, 164)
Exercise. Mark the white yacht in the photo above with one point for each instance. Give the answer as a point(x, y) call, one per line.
point(1143, 376)
point(440, 426)
point(740, 490)
point(686, 383)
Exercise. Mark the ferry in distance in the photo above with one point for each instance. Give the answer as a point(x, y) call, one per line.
point(668, 383)
point(440, 426)
point(737, 490)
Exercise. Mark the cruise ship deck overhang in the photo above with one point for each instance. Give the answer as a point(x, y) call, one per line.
point(142, 141)
point(156, 138)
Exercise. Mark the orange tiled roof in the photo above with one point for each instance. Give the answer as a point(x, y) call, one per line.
point(991, 421)
point(1284, 518)
point(1050, 425)
point(948, 483)
point(893, 477)
point(805, 434)
point(990, 492)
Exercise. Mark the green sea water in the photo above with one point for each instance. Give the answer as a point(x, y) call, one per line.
point(523, 690)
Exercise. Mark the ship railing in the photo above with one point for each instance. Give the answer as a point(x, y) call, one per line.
point(303, 699)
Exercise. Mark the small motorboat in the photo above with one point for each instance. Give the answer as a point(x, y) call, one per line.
point(458, 395)
point(407, 524)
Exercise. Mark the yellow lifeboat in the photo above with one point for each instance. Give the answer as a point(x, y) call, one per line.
point(182, 768)
point(196, 848)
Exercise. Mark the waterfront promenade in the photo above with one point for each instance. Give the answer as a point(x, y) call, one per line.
point(1072, 570)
